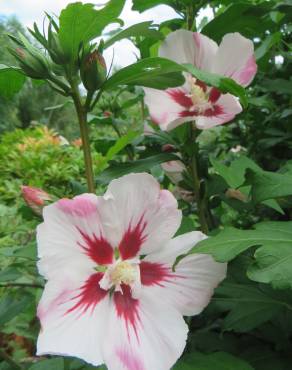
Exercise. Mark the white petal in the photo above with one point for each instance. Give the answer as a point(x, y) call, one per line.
point(72, 236)
point(79, 332)
point(187, 47)
point(143, 216)
point(155, 341)
point(164, 111)
point(191, 286)
point(235, 58)
point(229, 107)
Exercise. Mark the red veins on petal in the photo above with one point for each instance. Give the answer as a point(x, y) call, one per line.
point(154, 273)
point(214, 95)
point(97, 248)
point(127, 308)
point(180, 97)
point(132, 240)
point(91, 294)
point(216, 110)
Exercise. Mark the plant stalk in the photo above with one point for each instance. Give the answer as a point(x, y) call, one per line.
point(196, 181)
point(84, 131)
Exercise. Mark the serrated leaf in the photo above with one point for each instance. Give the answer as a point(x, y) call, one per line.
point(9, 274)
point(80, 23)
point(269, 185)
point(249, 306)
point(11, 81)
point(273, 260)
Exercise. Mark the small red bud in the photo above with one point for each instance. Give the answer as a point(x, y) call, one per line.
point(168, 148)
point(35, 198)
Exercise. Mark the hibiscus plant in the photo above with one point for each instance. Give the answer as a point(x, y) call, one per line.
point(130, 260)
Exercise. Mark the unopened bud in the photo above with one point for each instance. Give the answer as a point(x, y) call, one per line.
point(168, 148)
point(33, 63)
point(93, 70)
point(55, 49)
point(236, 194)
point(174, 170)
point(35, 198)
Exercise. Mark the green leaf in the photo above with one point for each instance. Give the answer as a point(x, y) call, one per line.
point(142, 165)
point(80, 23)
point(249, 305)
point(278, 86)
point(158, 73)
point(139, 29)
point(234, 175)
point(9, 274)
point(217, 360)
point(269, 185)
point(141, 6)
point(240, 16)
point(49, 364)
point(273, 260)
point(11, 306)
point(224, 84)
point(267, 44)
point(11, 81)
point(120, 144)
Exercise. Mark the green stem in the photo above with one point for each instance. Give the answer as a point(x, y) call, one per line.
point(84, 131)
point(9, 360)
point(196, 181)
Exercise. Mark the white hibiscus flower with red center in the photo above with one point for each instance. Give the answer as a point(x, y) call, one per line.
point(111, 295)
point(195, 101)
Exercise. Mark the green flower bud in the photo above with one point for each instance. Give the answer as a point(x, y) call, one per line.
point(55, 50)
point(93, 70)
point(33, 63)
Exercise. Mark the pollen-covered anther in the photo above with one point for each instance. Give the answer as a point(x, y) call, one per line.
point(198, 96)
point(123, 273)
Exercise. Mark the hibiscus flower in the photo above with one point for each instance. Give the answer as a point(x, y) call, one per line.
point(111, 295)
point(195, 101)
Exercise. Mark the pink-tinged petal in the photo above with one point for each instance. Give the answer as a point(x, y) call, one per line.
point(156, 340)
point(224, 110)
point(187, 47)
point(167, 113)
point(74, 315)
point(73, 235)
point(190, 287)
point(235, 58)
point(143, 217)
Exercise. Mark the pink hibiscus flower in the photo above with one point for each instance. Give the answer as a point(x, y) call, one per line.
point(195, 101)
point(111, 295)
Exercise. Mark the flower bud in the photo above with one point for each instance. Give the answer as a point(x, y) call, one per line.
point(32, 62)
point(55, 50)
point(168, 148)
point(236, 194)
point(93, 70)
point(35, 198)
